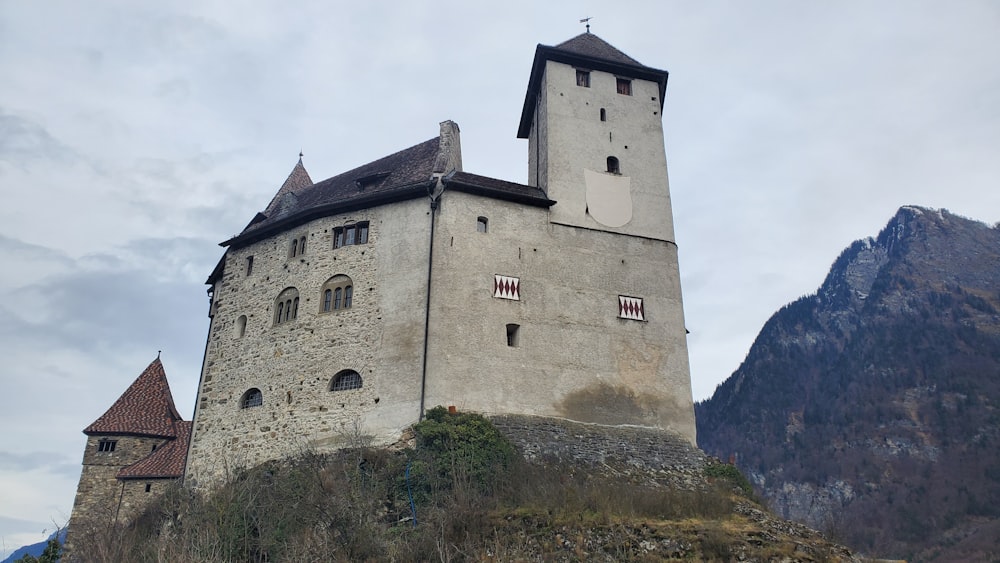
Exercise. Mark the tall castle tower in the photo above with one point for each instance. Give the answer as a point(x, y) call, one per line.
point(351, 305)
point(592, 117)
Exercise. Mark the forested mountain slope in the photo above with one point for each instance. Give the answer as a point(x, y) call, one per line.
point(870, 409)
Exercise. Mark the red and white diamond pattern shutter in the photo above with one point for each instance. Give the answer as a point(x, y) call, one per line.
point(506, 288)
point(631, 308)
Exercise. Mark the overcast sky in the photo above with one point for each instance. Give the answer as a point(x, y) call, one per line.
point(135, 136)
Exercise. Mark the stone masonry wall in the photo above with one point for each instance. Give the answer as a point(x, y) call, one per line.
point(540, 439)
point(99, 491)
point(293, 363)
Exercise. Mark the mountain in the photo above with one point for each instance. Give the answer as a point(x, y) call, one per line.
point(871, 409)
point(35, 549)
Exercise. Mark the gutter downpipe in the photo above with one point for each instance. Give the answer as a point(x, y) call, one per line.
point(434, 192)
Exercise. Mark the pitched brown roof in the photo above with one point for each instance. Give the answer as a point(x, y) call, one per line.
point(586, 51)
point(402, 175)
point(167, 462)
point(146, 408)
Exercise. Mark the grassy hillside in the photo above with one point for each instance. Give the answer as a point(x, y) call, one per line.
point(473, 499)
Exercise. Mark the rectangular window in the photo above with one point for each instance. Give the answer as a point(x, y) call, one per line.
point(625, 86)
point(149, 486)
point(512, 330)
point(583, 78)
point(107, 445)
point(351, 234)
point(249, 265)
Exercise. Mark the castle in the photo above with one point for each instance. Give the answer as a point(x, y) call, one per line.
point(349, 306)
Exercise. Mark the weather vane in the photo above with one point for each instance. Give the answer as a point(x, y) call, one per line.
point(586, 21)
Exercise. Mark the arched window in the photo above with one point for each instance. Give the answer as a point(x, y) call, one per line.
point(252, 398)
point(345, 380)
point(286, 306)
point(338, 293)
point(241, 326)
point(292, 250)
point(604, 115)
point(482, 224)
point(302, 246)
point(613, 166)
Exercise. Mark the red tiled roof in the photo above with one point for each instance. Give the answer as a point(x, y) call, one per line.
point(167, 462)
point(146, 408)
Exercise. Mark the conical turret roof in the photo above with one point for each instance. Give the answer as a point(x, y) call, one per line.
point(146, 408)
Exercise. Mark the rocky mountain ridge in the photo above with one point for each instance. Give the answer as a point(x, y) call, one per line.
point(869, 409)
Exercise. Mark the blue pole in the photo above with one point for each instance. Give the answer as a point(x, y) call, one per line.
point(409, 493)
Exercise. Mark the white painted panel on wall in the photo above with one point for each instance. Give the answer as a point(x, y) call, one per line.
point(505, 287)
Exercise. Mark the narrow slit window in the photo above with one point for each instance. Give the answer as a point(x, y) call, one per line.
point(241, 326)
point(293, 249)
point(512, 333)
point(604, 114)
point(482, 224)
point(149, 486)
point(249, 265)
point(302, 246)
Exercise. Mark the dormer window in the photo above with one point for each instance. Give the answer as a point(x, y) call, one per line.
point(583, 78)
point(624, 86)
point(370, 179)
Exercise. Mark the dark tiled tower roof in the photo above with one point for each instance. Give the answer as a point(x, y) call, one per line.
point(590, 45)
point(166, 462)
point(586, 51)
point(146, 408)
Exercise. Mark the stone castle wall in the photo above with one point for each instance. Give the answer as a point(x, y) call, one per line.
point(540, 439)
point(293, 363)
point(100, 496)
